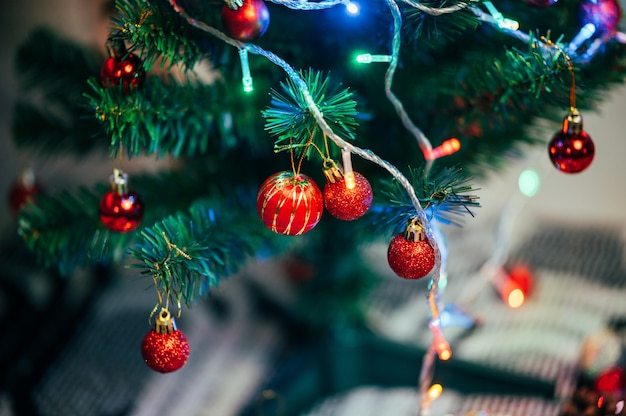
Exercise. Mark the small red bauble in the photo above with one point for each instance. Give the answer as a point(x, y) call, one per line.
point(165, 348)
point(410, 255)
point(346, 198)
point(248, 22)
point(122, 68)
point(611, 381)
point(605, 15)
point(571, 150)
point(121, 210)
point(290, 204)
point(23, 191)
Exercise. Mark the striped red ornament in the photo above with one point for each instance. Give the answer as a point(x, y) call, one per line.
point(290, 204)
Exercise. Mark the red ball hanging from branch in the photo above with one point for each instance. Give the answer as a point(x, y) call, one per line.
point(346, 196)
point(571, 149)
point(23, 191)
point(121, 210)
point(165, 348)
point(121, 67)
point(246, 22)
point(290, 204)
point(604, 15)
point(410, 254)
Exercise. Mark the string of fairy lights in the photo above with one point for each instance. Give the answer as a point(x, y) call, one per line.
point(439, 345)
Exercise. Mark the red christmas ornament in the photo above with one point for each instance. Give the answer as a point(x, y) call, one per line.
point(247, 22)
point(290, 204)
point(605, 16)
point(165, 348)
point(121, 210)
point(23, 191)
point(410, 255)
point(122, 67)
point(571, 149)
point(611, 381)
point(346, 197)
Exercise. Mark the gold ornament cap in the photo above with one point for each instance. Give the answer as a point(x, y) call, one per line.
point(165, 323)
point(573, 122)
point(332, 172)
point(414, 230)
point(119, 182)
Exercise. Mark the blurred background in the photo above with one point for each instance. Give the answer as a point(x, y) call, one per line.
point(572, 217)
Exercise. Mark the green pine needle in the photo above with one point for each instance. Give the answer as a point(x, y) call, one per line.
point(289, 119)
point(48, 114)
point(444, 196)
point(159, 35)
point(439, 28)
point(65, 235)
point(159, 118)
point(187, 254)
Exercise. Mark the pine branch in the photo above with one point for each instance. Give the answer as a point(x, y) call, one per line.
point(161, 36)
point(160, 118)
point(289, 119)
point(437, 30)
point(64, 234)
point(187, 254)
point(48, 113)
point(444, 196)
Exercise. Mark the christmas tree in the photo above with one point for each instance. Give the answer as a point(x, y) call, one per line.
point(362, 122)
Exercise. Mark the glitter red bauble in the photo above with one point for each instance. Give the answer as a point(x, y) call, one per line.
point(165, 352)
point(410, 259)
point(605, 15)
point(121, 212)
point(610, 381)
point(571, 152)
point(348, 204)
point(290, 204)
point(248, 22)
point(127, 71)
point(21, 193)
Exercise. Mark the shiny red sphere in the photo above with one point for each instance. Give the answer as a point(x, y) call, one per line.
point(121, 212)
point(571, 152)
point(248, 22)
point(290, 204)
point(348, 204)
point(21, 194)
point(605, 15)
point(410, 259)
point(611, 381)
point(128, 71)
point(165, 352)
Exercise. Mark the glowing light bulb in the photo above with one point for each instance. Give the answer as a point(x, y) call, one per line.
point(352, 8)
point(529, 182)
point(349, 180)
point(443, 348)
point(367, 58)
point(515, 298)
point(445, 354)
point(246, 79)
point(435, 391)
point(446, 148)
point(514, 286)
point(348, 173)
point(502, 21)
